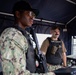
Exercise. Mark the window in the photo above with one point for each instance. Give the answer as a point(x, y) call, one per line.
point(42, 37)
point(73, 49)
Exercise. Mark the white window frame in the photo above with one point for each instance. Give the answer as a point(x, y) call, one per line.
point(73, 45)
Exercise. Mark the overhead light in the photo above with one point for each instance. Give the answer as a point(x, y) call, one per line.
point(65, 29)
point(71, 1)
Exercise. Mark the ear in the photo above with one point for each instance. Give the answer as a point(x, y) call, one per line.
point(17, 13)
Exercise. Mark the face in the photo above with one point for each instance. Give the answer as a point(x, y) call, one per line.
point(55, 33)
point(25, 19)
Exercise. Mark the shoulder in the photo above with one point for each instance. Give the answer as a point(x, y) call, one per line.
point(14, 35)
point(47, 40)
point(11, 33)
point(62, 42)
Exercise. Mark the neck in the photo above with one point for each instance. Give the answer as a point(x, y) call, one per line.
point(20, 25)
point(54, 38)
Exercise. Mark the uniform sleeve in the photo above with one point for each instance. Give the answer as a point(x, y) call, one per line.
point(13, 58)
point(44, 46)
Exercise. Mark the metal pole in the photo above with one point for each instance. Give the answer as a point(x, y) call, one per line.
point(71, 2)
point(7, 14)
point(71, 20)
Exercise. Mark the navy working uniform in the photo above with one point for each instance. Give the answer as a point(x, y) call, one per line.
point(14, 48)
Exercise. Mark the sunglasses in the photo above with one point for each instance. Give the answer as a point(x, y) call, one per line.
point(30, 13)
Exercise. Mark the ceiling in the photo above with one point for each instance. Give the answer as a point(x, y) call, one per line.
point(60, 11)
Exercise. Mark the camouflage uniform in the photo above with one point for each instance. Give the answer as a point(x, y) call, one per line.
point(13, 47)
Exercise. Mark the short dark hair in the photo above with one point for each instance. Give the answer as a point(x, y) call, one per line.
point(55, 27)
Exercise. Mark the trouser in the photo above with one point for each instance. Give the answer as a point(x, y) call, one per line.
point(53, 67)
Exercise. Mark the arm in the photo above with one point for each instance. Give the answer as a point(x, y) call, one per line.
point(44, 46)
point(64, 55)
point(64, 59)
point(14, 58)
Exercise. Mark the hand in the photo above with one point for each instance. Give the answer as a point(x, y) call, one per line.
point(51, 73)
point(63, 66)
